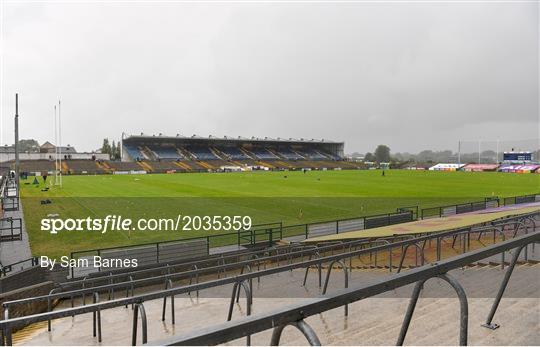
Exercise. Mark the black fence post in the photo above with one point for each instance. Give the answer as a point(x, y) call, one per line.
point(72, 269)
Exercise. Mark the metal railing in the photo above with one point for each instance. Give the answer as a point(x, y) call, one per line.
point(9, 323)
point(214, 240)
point(448, 210)
point(262, 233)
point(10, 229)
point(270, 232)
point(9, 195)
point(295, 315)
point(18, 266)
point(197, 268)
point(521, 199)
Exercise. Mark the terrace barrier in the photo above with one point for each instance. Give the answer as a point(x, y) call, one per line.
point(9, 195)
point(18, 266)
point(267, 234)
point(97, 307)
point(296, 314)
point(10, 229)
point(522, 199)
point(449, 210)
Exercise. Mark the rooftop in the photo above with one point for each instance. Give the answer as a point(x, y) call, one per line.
point(228, 138)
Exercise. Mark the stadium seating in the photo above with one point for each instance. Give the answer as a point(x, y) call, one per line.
point(124, 166)
point(85, 167)
point(164, 166)
point(313, 154)
point(201, 152)
point(202, 155)
point(332, 156)
point(263, 153)
point(289, 154)
point(133, 152)
point(166, 153)
point(36, 165)
point(233, 153)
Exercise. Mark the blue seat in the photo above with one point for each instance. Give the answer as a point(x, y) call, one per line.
point(287, 153)
point(233, 153)
point(263, 153)
point(165, 152)
point(201, 152)
point(133, 152)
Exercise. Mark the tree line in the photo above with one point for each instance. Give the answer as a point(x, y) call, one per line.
point(113, 150)
point(382, 154)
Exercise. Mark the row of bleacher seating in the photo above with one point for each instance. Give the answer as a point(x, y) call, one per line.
point(288, 153)
point(124, 166)
point(104, 167)
point(201, 152)
point(166, 153)
point(37, 165)
point(225, 152)
point(84, 166)
point(134, 153)
point(313, 154)
point(233, 153)
point(263, 153)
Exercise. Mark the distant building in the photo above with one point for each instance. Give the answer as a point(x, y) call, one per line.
point(7, 149)
point(48, 147)
point(47, 151)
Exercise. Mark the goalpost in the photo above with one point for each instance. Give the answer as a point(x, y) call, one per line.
point(57, 147)
point(489, 151)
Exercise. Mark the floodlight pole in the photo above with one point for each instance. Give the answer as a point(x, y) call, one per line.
point(497, 158)
point(55, 149)
point(459, 152)
point(60, 142)
point(121, 147)
point(479, 158)
point(17, 164)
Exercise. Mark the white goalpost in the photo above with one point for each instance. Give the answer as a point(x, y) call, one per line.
point(490, 151)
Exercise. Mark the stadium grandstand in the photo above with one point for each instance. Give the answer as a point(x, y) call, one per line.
point(195, 153)
point(165, 154)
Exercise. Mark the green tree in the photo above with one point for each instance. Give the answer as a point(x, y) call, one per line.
point(369, 157)
point(113, 151)
point(382, 154)
point(30, 146)
point(106, 148)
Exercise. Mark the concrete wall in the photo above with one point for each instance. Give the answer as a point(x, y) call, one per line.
point(27, 292)
point(32, 276)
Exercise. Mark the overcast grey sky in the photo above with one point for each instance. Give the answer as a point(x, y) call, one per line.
point(413, 75)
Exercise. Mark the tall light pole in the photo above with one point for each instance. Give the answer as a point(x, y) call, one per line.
point(17, 164)
point(60, 142)
point(479, 158)
point(459, 152)
point(121, 147)
point(497, 158)
point(55, 149)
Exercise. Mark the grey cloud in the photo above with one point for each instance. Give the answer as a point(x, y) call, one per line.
point(412, 75)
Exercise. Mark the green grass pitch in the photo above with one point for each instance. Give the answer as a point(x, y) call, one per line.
point(290, 197)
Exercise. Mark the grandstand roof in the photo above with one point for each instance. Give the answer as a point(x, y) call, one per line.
point(229, 138)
